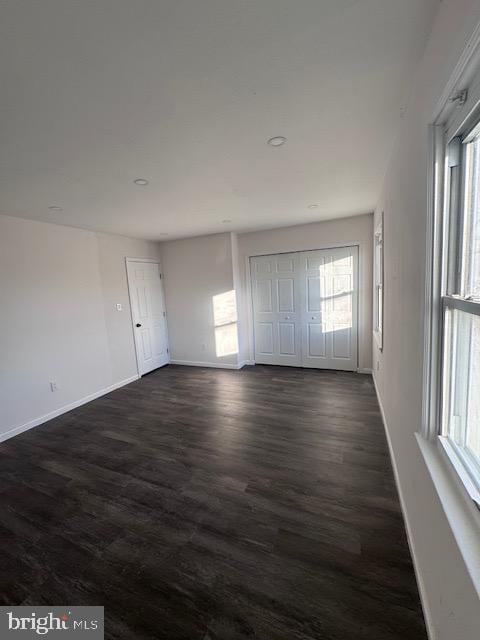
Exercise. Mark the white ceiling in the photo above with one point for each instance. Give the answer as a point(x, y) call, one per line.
point(185, 93)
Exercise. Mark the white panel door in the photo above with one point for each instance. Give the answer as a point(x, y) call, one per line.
point(314, 285)
point(305, 308)
point(329, 308)
point(277, 304)
point(148, 315)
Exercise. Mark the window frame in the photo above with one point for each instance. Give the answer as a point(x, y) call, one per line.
point(378, 282)
point(447, 143)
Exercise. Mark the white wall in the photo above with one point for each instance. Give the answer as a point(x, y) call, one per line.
point(319, 235)
point(196, 270)
point(452, 604)
point(58, 321)
point(112, 251)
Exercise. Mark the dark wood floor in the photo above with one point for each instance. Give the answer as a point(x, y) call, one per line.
point(214, 505)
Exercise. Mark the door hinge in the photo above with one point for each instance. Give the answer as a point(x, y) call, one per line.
point(164, 314)
point(160, 275)
point(168, 350)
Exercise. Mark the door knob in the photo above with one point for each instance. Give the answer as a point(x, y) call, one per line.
point(138, 324)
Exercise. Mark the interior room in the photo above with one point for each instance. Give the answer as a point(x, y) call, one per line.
point(240, 336)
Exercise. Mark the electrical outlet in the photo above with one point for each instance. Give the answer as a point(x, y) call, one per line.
point(53, 386)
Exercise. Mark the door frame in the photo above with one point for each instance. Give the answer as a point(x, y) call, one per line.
point(128, 260)
point(249, 291)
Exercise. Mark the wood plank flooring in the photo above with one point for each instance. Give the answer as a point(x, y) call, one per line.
point(214, 505)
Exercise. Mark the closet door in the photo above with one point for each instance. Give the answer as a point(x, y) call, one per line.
point(305, 308)
point(329, 292)
point(276, 309)
point(314, 285)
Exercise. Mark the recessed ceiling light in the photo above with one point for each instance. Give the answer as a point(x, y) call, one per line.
point(163, 234)
point(313, 206)
point(55, 208)
point(226, 221)
point(276, 141)
point(141, 182)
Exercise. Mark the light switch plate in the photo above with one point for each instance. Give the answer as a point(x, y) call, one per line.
point(119, 306)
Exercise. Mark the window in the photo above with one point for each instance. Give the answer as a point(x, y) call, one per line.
point(378, 284)
point(458, 398)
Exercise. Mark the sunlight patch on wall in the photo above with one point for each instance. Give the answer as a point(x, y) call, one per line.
point(225, 321)
point(331, 294)
point(226, 340)
point(225, 308)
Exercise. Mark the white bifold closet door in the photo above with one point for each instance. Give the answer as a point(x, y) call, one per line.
point(277, 308)
point(305, 308)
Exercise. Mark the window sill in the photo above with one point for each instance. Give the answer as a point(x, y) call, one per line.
point(460, 509)
point(455, 460)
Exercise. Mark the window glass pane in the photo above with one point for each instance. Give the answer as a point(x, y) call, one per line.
point(471, 235)
point(462, 382)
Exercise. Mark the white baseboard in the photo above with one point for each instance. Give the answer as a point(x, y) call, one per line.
point(421, 585)
point(246, 363)
point(68, 407)
point(365, 370)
